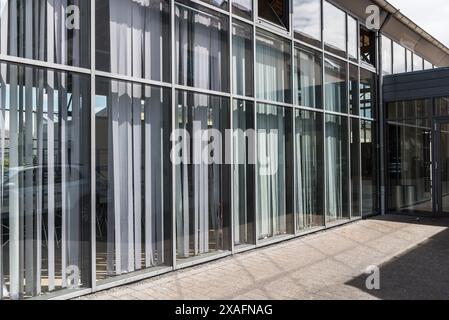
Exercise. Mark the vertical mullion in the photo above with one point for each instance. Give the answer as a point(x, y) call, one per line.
point(63, 118)
point(231, 121)
point(323, 76)
point(256, 156)
point(174, 110)
point(293, 95)
point(2, 146)
point(92, 146)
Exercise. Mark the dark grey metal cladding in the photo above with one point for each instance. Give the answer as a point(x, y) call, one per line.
point(416, 85)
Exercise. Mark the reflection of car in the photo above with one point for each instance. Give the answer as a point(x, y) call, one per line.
point(77, 190)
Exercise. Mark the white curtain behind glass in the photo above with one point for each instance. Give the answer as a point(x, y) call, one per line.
point(270, 71)
point(271, 199)
point(198, 49)
point(306, 161)
point(39, 23)
point(136, 38)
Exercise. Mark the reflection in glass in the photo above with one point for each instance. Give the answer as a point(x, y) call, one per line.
point(133, 38)
point(243, 172)
point(399, 58)
point(274, 187)
point(355, 169)
point(443, 169)
point(273, 68)
point(38, 30)
point(337, 168)
point(307, 21)
point(308, 78)
point(243, 8)
point(202, 195)
point(334, 29)
point(309, 170)
point(370, 194)
point(409, 156)
point(442, 106)
point(335, 85)
point(387, 56)
point(222, 4)
point(353, 90)
point(132, 160)
point(242, 59)
point(45, 190)
point(418, 63)
point(409, 56)
point(353, 39)
point(202, 51)
point(399, 63)
point(367, 94)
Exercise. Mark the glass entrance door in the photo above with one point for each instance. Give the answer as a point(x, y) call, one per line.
point(441, 167)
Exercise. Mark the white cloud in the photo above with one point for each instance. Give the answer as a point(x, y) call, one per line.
point(431, 15)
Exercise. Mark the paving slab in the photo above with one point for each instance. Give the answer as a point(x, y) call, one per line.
point(411, 254)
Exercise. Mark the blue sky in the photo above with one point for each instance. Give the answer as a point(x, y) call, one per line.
point(431, 15)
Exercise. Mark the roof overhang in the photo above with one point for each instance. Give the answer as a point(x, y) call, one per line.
point(401, 29)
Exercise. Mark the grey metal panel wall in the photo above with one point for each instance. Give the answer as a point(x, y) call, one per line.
point(416, 85)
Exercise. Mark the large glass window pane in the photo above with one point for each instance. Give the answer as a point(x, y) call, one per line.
point(274, 184)
point(409, 56)
point(427, 65)
point(202, 180)
point(309, 170)
point(307, 21)
point(133, 207)
point(418, 63)
point(399, 63)
point(242, 59)
point(387, 56)
point(409, 154)
point(370, 194)
point(202, 48)
point(45, 190)
point(353, 89)
point(51, 31)
point(353, 39)
point(337, 168)
point(368, 94)
point(308, 84)
point(243, 172)
point(355, 169)
point(334, 29)
point(335, 85)
point(273, 68)
point(243, 8)
point(442, 106)
point(133, 38)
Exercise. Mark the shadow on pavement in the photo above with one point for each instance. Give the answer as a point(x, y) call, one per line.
point(422, 273)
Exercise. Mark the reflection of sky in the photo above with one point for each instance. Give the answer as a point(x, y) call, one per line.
point(307, 17)
point(431, 15)
point(334, 26)
point(243, 4)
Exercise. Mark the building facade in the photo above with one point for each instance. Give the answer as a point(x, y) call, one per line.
point(98, 97)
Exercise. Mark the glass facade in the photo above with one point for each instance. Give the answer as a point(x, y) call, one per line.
point(110, 153)
point(334, 29)
point(307, 21)
point(409, 156)
point(308, 85)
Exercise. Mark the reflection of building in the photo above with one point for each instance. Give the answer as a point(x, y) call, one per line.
point(86, 117)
